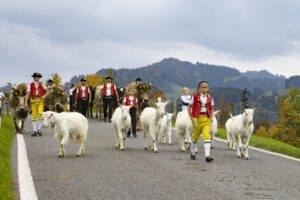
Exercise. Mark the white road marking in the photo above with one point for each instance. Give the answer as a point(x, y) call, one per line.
point(261, 150)
point(26, 185)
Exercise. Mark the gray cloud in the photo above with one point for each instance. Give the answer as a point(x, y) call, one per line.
point(67, 36)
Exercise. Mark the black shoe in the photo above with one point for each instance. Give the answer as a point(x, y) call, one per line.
point(128, 134)
point(193, 157)
point(209, 159)
point(34, 134)
point(40, 133)
point(134, 135)
point(104, 120)
point(109, 120)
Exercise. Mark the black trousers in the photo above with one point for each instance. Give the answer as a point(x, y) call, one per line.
point(107, 103)
point(132, 113)
point(71, 103)
point(83, 106)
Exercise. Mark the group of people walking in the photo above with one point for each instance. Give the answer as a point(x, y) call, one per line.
point(199, 107)
point(37, 92)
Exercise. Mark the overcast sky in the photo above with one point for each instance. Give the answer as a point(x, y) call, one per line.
point(74, 37)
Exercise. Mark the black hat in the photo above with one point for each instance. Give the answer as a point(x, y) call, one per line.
point(50, 81)
point(36, 74)
point(138, 79)
point(83, 79)
point(109, 77)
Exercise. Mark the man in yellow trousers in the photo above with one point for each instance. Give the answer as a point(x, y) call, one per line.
point(37, 91)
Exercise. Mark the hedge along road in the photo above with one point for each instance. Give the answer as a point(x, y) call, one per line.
point(107, 173)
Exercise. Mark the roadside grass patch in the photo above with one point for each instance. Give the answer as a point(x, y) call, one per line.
point(6, 175)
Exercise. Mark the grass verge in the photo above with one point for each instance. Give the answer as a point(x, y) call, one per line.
point(267, 144)
point(6, 175)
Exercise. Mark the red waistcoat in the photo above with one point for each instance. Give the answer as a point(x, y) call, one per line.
point(33, 89)
point(86, 91)
point(112, 89)
point(127, 103)
point(196, 109)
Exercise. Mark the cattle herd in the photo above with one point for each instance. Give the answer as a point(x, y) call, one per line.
point(155, 122)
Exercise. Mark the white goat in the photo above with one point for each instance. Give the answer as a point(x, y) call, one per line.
point(121, 123)
point(165, 128)
point(230, 137)
point(71, 125)
point(239, 130)
point(213, 127)
point(149, 122)
point(184, 129)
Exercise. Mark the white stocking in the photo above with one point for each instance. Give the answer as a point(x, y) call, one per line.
point(35, 125)
point(207, 148)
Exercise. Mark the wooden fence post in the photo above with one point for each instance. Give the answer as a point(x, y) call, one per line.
point(173, 105)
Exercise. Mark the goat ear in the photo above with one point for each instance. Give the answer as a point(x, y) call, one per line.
point(244, 109)
point(216, 112)
point(254, 109)
point(166, 102)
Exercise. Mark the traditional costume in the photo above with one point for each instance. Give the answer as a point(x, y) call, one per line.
point(108, 91)
point(201, 118)
point(37, 90)
point(128, 101)
point(83, 95)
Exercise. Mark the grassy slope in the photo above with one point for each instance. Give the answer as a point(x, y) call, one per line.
point(268, 144)
point(6, 176)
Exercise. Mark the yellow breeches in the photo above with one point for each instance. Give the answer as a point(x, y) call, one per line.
point(37, 107)
point(202, 126)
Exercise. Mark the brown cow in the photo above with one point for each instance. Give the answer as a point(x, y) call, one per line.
point(98, 102)
point(56, 99)
point(17, 106)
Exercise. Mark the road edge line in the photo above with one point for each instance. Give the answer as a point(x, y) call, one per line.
point(26, 184)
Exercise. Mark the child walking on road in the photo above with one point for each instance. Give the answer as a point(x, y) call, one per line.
point(200, 110)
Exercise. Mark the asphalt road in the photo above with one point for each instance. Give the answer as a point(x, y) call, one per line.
point(107, 173)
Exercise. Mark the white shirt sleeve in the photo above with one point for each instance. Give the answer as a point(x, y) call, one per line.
point(101, 87)
point(89, 90)
point(185, 99)
point(115, 87)
point(192, 100)
point(124, 100)
point(212, 102)
point(77, 91)
point(136, 99)
point(44, 87)
point(28, 88)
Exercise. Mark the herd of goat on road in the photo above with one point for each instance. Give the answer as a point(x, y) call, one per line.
point(155, 123)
